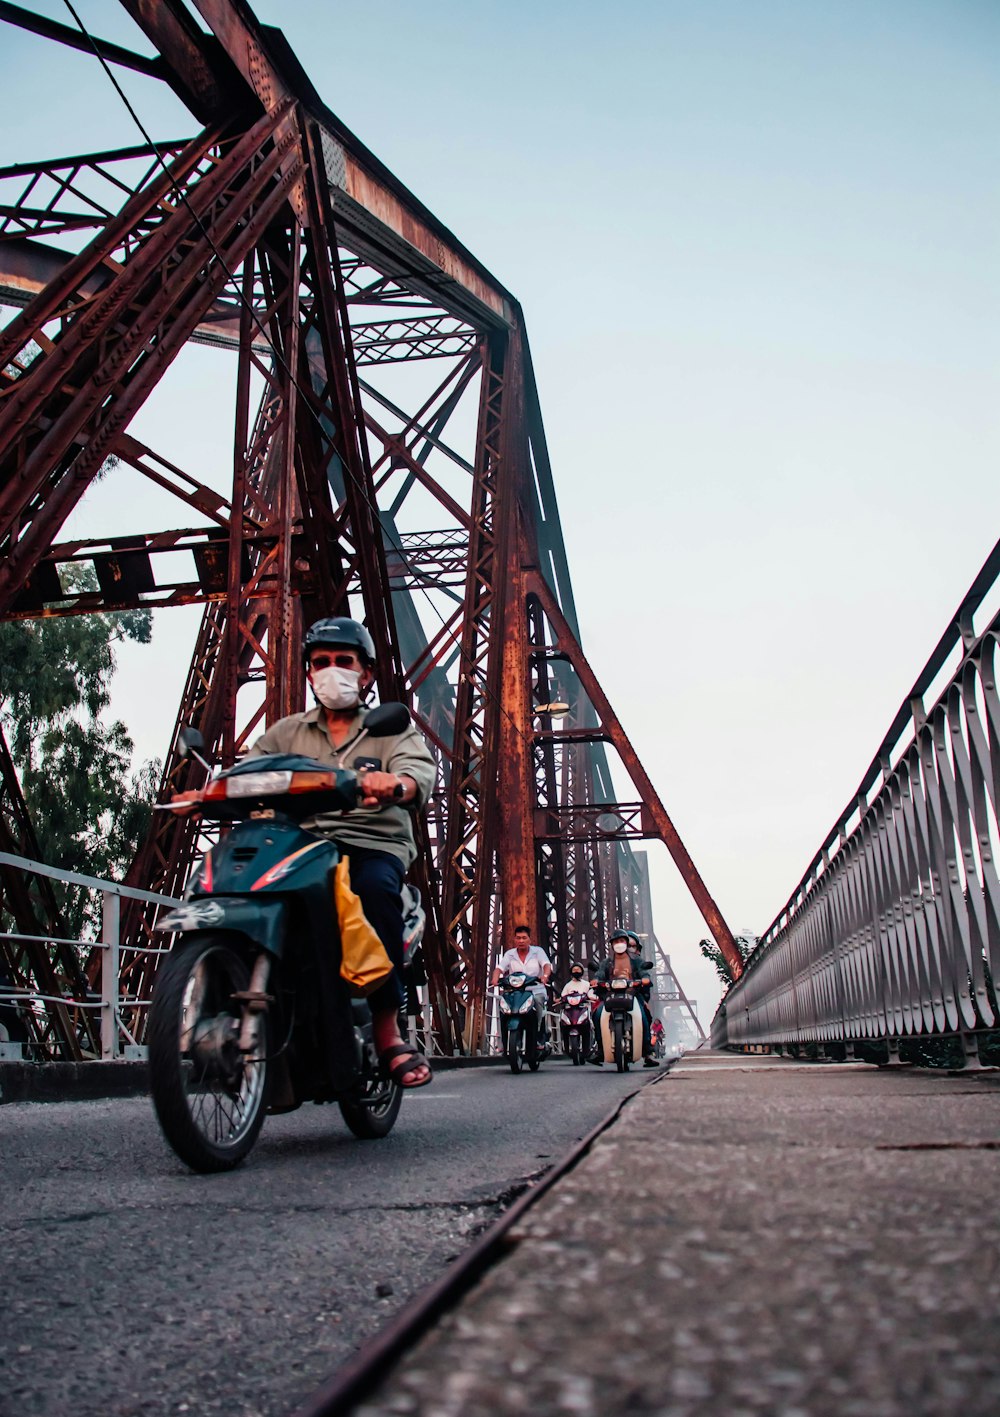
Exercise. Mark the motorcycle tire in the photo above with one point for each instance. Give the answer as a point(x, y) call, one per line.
point(621, 1056)
point(576, 1050)
point(374, 1114)
point(533, 1051)
point(514, 1046)
point(210, 1105)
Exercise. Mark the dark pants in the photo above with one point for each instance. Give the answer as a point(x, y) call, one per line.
point(376, 878)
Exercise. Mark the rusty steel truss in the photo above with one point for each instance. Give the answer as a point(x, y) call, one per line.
point(389, 461)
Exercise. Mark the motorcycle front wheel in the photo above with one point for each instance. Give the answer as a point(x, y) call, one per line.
point(210, 1098)
point(621, 1057)
point(576, 1049)
point(514, 1047)
point(373, 1115)
point(533, 1050)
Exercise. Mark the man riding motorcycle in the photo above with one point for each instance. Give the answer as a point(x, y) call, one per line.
point(399, 773)
point(635, 954)
point(532, 960)
point(625, 962)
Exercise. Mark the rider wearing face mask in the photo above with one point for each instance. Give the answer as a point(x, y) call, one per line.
point(624, 962)
point(577, 983)
point(378, 836)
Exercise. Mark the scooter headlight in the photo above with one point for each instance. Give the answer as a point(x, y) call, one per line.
point(504, 1005)
point(527, 1006)
point(258, 784)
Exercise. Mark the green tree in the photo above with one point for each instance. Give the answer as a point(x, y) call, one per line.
point(746, 943)
point(88, 808)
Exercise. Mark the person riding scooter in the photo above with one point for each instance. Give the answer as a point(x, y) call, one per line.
point(576, 998)
point(635, 954)
point(526, 958)
point(620, 964)
point(399, 773)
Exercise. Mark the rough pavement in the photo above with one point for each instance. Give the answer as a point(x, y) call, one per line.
point(132, 1287)
point(752, 1236)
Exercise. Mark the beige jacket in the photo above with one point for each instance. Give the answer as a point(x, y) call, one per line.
point(386, 828)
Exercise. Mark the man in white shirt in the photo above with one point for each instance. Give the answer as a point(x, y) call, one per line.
point(531, 960)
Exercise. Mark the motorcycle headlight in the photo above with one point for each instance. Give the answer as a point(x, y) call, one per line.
point(504, 1005)
point(258, 784)
point(619, 983)
point(527, 1006)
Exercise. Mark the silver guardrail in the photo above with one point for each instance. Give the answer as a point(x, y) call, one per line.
point(115, 1035)
point(894, 930)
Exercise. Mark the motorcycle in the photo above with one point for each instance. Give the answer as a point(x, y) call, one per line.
point(575, 1026)
point(621, 1024)
point(519, 1023)
point(249, 1013)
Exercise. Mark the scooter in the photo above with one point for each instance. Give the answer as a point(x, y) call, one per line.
point(249, 1013)
point(620, 1032)
point(575, 1026)
point(519, 1022)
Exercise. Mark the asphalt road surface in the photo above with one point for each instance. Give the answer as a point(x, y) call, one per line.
point(131, 1286)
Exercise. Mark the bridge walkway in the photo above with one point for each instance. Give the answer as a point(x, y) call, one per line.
point(752, 1235)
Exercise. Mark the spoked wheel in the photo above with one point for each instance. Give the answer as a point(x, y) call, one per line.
point(210, 1098)
point(621, 1055)
point(515, 1049)
point(576, 1049)
point(373, 1115)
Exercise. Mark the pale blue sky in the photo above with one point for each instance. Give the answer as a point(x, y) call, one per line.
point(756, 247)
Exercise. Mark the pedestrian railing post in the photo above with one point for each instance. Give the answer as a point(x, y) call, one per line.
point(110, 921)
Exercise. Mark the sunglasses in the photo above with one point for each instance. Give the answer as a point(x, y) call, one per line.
point(345, 660)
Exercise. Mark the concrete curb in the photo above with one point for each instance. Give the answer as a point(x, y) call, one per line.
point(71, 1082)
point(87, 1082)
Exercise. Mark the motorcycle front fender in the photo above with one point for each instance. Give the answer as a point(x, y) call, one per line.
point(261, 920)
point(513, 1024)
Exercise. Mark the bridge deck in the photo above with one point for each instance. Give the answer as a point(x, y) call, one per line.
point(752, 1235)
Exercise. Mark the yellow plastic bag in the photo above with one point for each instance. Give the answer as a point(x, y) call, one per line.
point(364, 963)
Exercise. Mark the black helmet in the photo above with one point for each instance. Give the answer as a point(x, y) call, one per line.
point(576, 969)
point(349, 634)
point(629, 935)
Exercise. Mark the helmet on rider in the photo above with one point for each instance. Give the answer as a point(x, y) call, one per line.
point(576, 971)
point(339, 631)
point(622, 940)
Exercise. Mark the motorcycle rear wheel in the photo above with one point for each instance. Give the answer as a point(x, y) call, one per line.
point(209, 1099)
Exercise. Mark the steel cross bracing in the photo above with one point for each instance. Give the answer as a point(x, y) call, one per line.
point(389, 461)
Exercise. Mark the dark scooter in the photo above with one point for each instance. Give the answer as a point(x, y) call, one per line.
point(519, 1022)
point(249, 1013)
point(575, 1026)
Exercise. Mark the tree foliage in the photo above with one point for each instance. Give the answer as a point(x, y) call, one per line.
point(88, 808)
point(746, 943)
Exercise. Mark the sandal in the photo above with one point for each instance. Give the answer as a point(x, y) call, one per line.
point(407, 1060)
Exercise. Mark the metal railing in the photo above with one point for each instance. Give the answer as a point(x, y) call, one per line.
point(109, 1001)
point(894, 931)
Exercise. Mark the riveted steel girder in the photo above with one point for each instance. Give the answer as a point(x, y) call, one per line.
point(418, 497)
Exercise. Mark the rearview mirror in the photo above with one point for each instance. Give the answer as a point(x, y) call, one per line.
point(190, 743)
point(387, 720)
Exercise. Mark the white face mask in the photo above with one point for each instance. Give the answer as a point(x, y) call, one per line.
point(336, 688)
point(619, 947)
